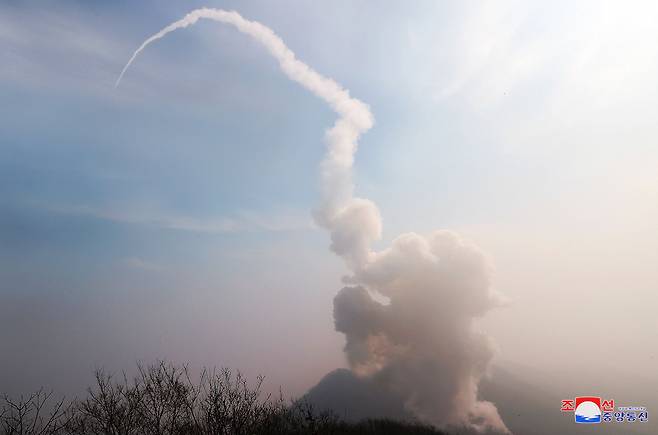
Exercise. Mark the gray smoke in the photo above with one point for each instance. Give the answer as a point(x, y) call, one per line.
point(420, 347)
point(422, 344)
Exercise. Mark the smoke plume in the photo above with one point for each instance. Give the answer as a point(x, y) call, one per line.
point(421, 346)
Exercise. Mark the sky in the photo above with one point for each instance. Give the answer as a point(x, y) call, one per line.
point(171, 217)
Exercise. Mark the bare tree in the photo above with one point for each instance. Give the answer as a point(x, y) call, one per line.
point(35, 414)
point(164, 399)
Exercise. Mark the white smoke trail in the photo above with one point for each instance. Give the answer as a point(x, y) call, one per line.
point(439, 361)
point(339, 211)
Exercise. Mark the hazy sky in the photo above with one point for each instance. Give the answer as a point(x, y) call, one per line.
point(170, 218)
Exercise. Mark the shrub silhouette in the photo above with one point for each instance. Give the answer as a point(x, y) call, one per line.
point(163, 399)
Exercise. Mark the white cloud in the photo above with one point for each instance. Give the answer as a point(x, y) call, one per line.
point(241, 221)
point(141, 264)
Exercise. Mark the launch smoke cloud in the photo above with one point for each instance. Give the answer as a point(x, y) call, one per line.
point(422, 344)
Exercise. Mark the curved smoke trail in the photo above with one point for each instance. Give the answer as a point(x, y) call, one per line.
point(422, 345)
point(338, 207)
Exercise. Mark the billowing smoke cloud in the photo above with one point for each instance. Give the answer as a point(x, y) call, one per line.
point(421, 346)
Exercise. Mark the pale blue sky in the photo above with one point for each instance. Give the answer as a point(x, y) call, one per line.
point(171, 217)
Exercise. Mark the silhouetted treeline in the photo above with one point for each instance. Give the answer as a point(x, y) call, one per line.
point(163, 399)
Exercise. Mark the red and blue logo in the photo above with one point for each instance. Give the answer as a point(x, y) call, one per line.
point(588, 410)
point(593, 409)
